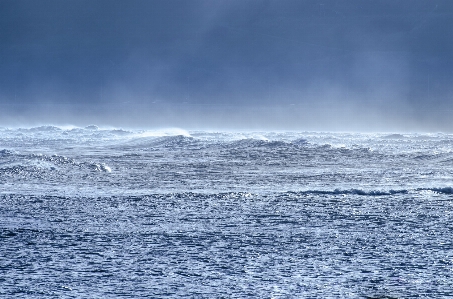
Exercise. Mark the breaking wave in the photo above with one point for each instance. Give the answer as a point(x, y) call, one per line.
point(354, 192)
point(40, 165)
point(163, 133)
point(444, 190)
point(172, 142)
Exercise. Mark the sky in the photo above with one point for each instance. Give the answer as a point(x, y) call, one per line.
point(329, 65)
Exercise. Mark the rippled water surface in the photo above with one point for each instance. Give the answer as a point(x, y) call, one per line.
point(106, 213)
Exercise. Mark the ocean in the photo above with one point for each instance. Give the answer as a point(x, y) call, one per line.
point(112, 213)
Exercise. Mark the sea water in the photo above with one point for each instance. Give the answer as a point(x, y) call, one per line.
point(111, 213)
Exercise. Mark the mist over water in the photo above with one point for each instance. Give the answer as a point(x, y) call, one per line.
point(299, 117)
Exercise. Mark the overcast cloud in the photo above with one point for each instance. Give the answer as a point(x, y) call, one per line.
point(304, 65)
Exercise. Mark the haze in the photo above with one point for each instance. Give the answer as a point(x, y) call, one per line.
point(284, 65)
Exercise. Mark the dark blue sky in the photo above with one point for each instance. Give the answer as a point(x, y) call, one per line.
point(305, 65)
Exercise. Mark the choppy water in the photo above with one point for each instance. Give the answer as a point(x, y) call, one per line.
point(106, 213)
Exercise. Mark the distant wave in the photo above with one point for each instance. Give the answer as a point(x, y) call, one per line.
point(178, 141)
point(92, 127)
point(351, 192)
point(263, 142)
point(251, 142)
point(444, 190)
point(144, 194)
point(394, 136)
point(159, 138)
point(345, 192)
point(69, 128)
point(163, 133)
point(173, 141)
point(41, 129)
point(55, 130)
point(358, 192)
point(300, 141)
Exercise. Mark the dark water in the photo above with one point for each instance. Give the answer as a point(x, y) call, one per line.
point(90, 213)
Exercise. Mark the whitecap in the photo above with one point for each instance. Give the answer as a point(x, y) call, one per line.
point(163, 133)
point(101, 167)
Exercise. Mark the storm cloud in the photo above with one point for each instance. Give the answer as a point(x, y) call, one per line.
point(305, 65)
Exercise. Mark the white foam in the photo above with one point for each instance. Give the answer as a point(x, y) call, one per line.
point(163, 133)
point(102, 167)
point(260, 137)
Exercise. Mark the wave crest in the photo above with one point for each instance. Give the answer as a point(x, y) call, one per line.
point(251, 142)
point(164, 132)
